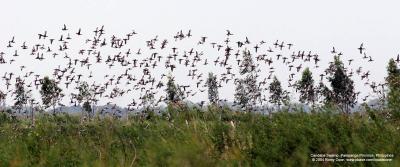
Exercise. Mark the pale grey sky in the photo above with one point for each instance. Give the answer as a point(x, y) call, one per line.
point(311, 25)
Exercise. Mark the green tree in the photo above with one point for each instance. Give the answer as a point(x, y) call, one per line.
point(305, 86)
point(31, 102)
point(212, 88)
point(148, 100)
point(87, 107)
point(247, 91)
point(247, 64)
point(20, 95)
point(51, 93)
point(2, 100)
point(277, 95)
point(241, 97)
point(174, 93)
point(148, 103)
point(342, 92)
point(85, 95)
point(393, 81)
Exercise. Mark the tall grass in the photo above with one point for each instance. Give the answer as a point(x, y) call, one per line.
point(193, 137)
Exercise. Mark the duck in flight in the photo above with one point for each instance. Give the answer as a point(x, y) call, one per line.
point(361, 48)
point(64, 28)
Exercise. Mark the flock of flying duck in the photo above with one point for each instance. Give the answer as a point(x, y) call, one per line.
point(132, 72)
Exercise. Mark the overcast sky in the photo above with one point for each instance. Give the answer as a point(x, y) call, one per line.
point(314, 25)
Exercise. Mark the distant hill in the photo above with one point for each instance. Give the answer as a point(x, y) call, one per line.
point(264, 109)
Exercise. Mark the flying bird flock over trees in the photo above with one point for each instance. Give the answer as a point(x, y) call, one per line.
point(77, 67)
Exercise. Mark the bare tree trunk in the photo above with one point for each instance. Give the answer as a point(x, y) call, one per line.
point(92, 114)
point(82, 112)
point(32, 115)
point(54, 109)
point(26, 112)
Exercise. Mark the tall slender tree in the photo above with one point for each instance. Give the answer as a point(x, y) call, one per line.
point(212, 89)
point(393, 81)
point(51, 93)
point(174, 93)
point(87, 107)
point(305, 86)
point(277, 95)
point(241, 97)
point(2, 100)
point(31, 102)
point(247, 91)
point(342, 92)
point(85, 96)
point(20, 95)
point(148, 101)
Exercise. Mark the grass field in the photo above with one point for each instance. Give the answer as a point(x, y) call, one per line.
point(190, 137)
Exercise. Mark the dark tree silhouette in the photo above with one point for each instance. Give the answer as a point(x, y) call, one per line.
point(212, 89)
point(148, 101)
point(20, 95)
point(247, 91)
point(2, 99)
point(277, 95)
point(241, 97)
point(84, 95)
point(393, 81)
point(305, 86)
point(342, 91)
point(51, 93)
point(87, 107)
point(174, 94)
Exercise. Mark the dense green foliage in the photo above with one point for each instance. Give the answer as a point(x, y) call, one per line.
point(212, 85)
point(21, 97)
point(50, 92)
point(174, 93)
point(342, 91)
point(193, 137)
point(305, 86)
point(393, 80)
point(278, 95)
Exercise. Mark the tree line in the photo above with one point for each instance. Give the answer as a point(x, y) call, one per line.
point(341, 92)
